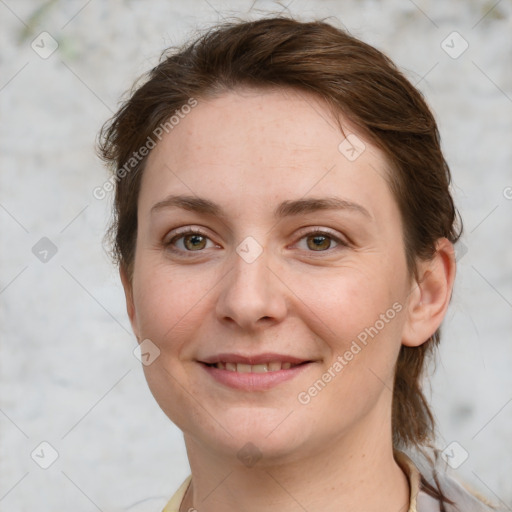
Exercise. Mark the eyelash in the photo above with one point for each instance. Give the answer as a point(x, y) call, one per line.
point(195, 231)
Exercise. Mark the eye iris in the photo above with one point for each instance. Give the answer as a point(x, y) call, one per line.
point(195, 240)
point(320, 242)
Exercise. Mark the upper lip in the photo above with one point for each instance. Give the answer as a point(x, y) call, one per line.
point(252, 359)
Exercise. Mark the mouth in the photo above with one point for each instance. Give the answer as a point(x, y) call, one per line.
point(254, 373)
point(257, 363)
point(272, 366)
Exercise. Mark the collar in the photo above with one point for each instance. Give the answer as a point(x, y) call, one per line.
point(405, 463)
point(413, 475)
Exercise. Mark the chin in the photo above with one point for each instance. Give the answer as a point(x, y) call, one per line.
point(272, 440)
point(257, 450)
point(251, 435)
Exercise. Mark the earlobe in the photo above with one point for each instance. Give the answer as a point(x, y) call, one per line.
point(128, 293)
point(430, 295)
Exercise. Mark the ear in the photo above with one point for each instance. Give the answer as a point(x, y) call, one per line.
point(430, 295)
point(130, 305)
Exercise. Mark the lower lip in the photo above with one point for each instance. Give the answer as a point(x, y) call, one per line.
point(254, 381)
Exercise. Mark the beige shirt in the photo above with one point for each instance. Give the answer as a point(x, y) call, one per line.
point(420, 501)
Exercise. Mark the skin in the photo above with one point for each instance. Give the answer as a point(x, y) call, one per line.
point(249, 150)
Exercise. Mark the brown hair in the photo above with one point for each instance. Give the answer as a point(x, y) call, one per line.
point(354, 79)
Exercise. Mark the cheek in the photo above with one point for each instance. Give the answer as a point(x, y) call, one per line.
point(361, 319)
point(168, 302)
point(349, 299)
point(361, 315)
point(169, 310)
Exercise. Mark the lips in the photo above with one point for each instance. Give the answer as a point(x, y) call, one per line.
point(272, 366)
point(237, 368)
point(270, 360)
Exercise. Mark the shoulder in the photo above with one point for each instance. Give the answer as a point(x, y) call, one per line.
point(463, 499)
point(422, 499)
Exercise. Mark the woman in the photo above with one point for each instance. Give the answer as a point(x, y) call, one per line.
point(284, 231)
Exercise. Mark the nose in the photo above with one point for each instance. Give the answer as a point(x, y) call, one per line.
point(252, 296)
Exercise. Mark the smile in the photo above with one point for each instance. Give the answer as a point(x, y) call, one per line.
point(273, 366)
point(253, 373)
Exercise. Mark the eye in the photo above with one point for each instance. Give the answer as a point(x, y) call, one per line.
point(188, 240)
point(321, 241)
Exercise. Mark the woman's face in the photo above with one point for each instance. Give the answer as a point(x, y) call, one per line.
point(299, 268)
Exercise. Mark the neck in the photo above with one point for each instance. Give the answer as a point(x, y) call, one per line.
point(349, 474)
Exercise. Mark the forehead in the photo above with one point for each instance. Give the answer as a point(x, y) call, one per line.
point(264, 145)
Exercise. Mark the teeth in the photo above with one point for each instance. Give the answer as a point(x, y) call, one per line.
point(273, 366)
point(259, 368)
point(231, 367)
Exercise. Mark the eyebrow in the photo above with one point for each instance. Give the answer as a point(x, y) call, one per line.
point(285, 209)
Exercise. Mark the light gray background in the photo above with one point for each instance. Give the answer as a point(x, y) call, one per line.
point(67, 372)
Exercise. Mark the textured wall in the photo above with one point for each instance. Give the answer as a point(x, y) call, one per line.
point(67, 372)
